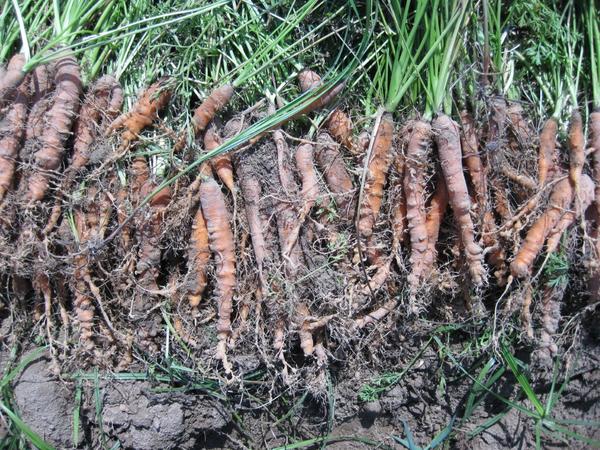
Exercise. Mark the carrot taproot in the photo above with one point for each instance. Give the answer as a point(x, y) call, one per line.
point(143, 113)
point(594, 126)
point(496, 123)
point(435, 214)
point(470, 148)
point(287, 217)
point(339, 126)
point(417, 149)
point(104, 95)
point(198, 258)
point(377, 168)
point(205, 113)
point(399, 225)
point(252, 192)
point(331, 163)
point(82, 300)
point(221, 243)
point(560, 199)
point(60, 119)
point(149, 252)
point(221, 164)
point(12, 79)
point(586, 197)
point(309, 193)
point(519, 126)
point(576, 142)
point(12, 131)
point(547, 152)
point(308, 80)
point(448, 145)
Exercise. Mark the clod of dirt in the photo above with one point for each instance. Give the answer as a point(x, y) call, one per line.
point(142, 419)
point(45, 405)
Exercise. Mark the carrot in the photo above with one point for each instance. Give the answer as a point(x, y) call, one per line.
point(470, 148)
point(308, 79)
point(519, 126)
point(221, 243)
point(308, 176)
point(310, 191)
point(336, 175)
point(377, 169)
point(560, 200)
point(547, 152)
point(209, 107)
point(521, 179)
point(12, 79)
point(437, 208)
point(286, 212)
point(339, 126)
point(311, 80)
point(60, 119)
point(376, 315)
point(42, 81)
point(448, 144)
point(551, 297)
point(496, 121)
point(595, 144)
point(144, 113)
point(417, 148)
point(198, 258)
point(307, 325)
point(220, 164)
point(399, 225)
point(104, 95)
point(82, 301)
point(576, 149)
point(12, 130)
point(586, 196)
point(251, 193)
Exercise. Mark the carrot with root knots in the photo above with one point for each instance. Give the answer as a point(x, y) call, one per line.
point(448, 144)
point(221, 243)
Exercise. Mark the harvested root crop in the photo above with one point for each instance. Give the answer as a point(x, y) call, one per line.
point(548, 157)
point(331, 163)
point(60, 119)
point(221, 243)
point(576, 143)
point(448, 144)
point(205, 113)
point(417, 148)
point(221, 164)
point(12, 79)
point(377, 168)
point(144, 113)
point(560, 200)
point(12, 130)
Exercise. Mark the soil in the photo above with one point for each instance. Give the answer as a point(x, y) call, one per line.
point(144, 414)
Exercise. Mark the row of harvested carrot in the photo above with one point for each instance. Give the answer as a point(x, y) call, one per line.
point(41, 112)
